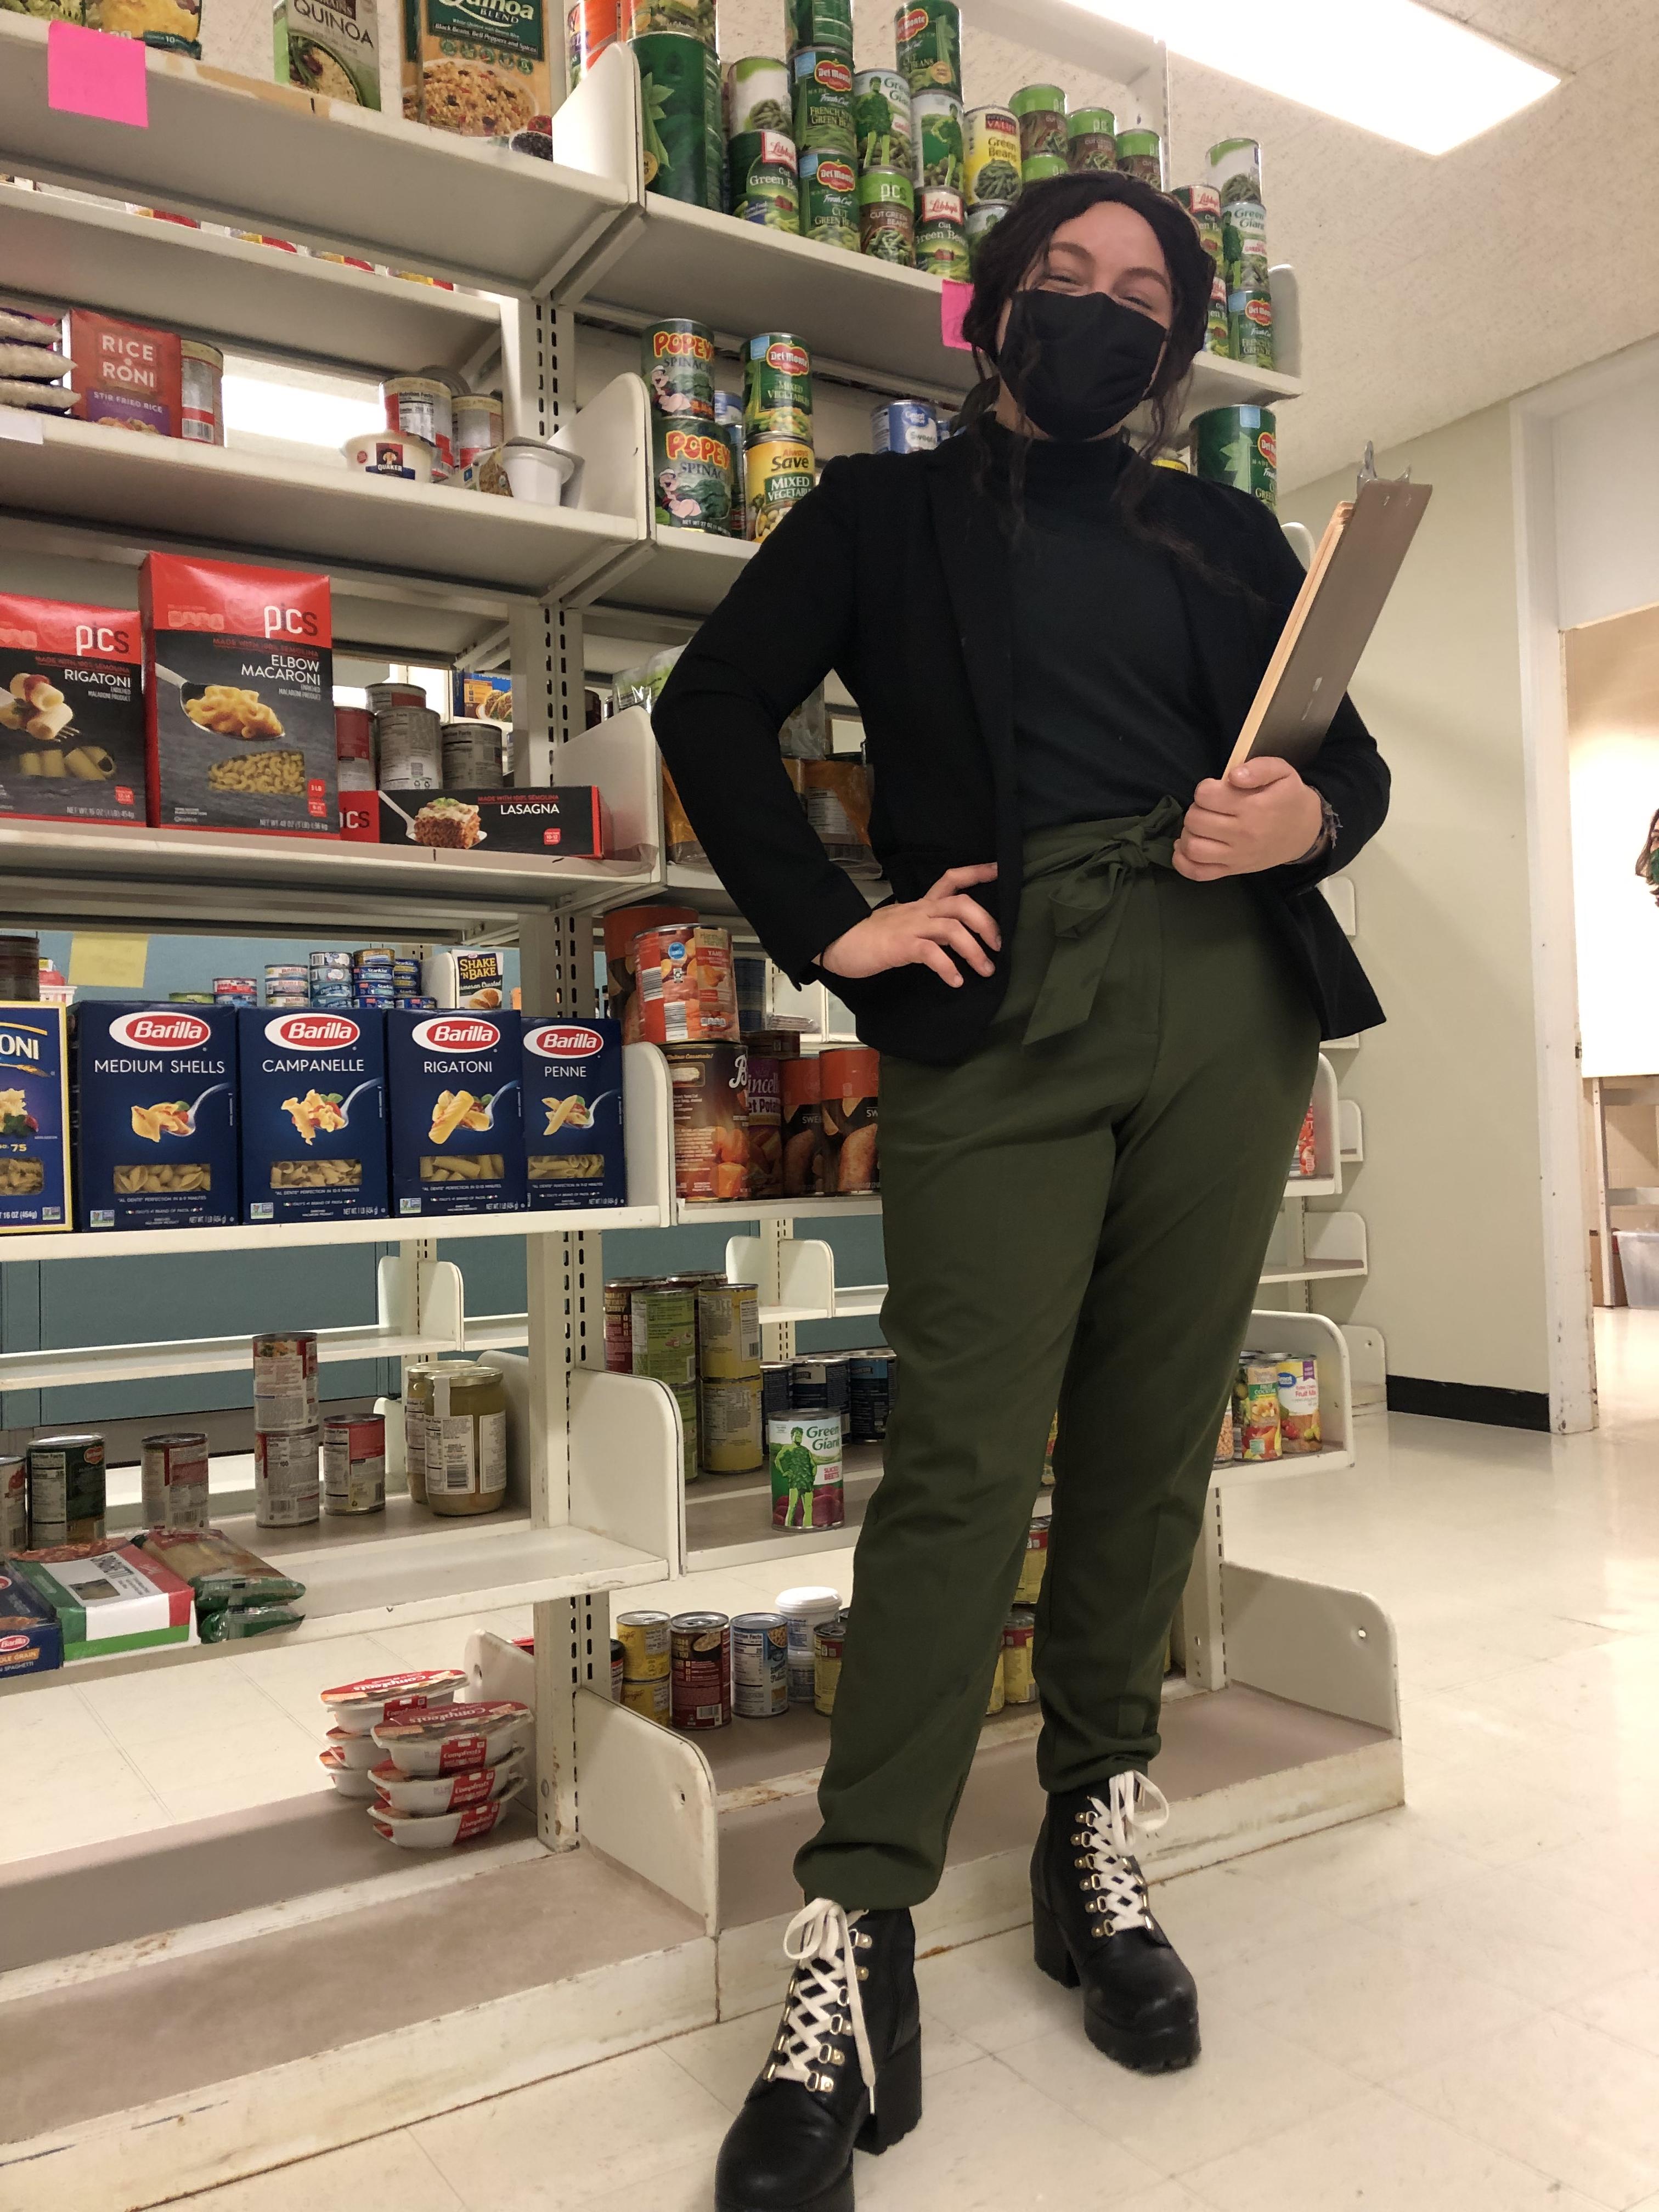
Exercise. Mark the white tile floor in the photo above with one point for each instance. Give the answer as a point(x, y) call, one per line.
point(1452, 2009)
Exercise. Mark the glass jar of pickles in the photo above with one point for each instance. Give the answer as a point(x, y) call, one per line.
point(463, 1404)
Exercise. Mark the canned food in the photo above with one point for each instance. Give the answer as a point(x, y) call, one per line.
point(759, 93)
point(1203, 206)
point(804, 1452)
point(1299, 1430)
point(382, 695)
point(1224, 1446)
point(201, 374)
point(775, 1386)
point(653, 1698)
point(1091, 138)
point(678, 360)
point(882, 120)
point(590, 27)
point(1019, 1645)
point(616, 1671)
point(479, 426)
point(830, 199)
point(354, 749)
point(66, 1490)
point(848, 1079)
point(643, 1638)
point(685, 150)
point(14, 1503)
point(1036, 1561)
point(1218, 326)
point(887, 216)
point(1244, 241)
point(284, 1380)
point(822, 96)
point(420, 407)
point(1238, 446)
point(175, 1480)
point(728, 415)
point(664, 1326)
point(1233, 169)
point(870, 1389)
point(691, 475)
point(765, 181)
point(928, 37)
point(1140, 154)
point(687, 990)
point(941, 234)
point(1256, 1433)
point(619, 1321)
point(700, 1652)
point(464, 1403)
point(777, 388)
point(730, 1435)
point(760, 1666)
point(236, 991)
point(998, 1696)
point(1039, 110)
point(353, 1463)
point(1039, 167)
point(828, 1650)
point(710, 1122)
point(820, 23)
point(472, 756)
point(1250, 324)
point(904, 425)
point(728, 1330)
point(990, 156)
point(804, 1610)
point(778, 474)
point(981, 222)
point(287, 1488)
point(410, 742)
point(936, 136)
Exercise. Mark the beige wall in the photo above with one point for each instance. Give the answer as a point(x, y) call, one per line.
point(1450, 1186)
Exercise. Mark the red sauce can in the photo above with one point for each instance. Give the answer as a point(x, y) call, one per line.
point(700, 1669)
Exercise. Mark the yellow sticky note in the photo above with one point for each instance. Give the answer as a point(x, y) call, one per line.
point(104, 958)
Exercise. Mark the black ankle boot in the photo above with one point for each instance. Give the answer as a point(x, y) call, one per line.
point(1090, 1923)
point(852, 2024)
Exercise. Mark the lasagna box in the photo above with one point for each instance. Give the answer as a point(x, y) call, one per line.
point(452, 1099)
point(109, 1597)
point(71, 712)
point(34, 1117)
point(31, 1640)
point(239, 685)
point(312, 1095)
point(155, 1115)
point(568, 820)
point(571, 1085)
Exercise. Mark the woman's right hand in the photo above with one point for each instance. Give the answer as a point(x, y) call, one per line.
point(916, 933)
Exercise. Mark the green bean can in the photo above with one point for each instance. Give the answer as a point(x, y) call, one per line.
point(679, 19)
point(691, 475)
point(1244, 241)
point(1140, 154)
point(1218, 330)
point(676, 360)
point(980, 222)
point(765, 180)
point(680, 116)
point(1250, 324)
point(778, 473)
point(1203, 204)
point(941, 238)
point(1238, 446)
point(758, 96)
point(1091, 138)
point(936, 137)
point(1234, 170)
point(820, 23)
point(1041, 109)
point(882, 120)
point(887, 216)
point(928, 36)
point(829, 200)
point(777, 388)
point(824, 103)
point(1040, 168)
point(990, 156)
point(728, 413)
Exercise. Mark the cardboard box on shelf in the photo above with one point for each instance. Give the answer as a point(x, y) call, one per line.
point(31, 1638)
point(109, 1597)
point(71, 712)
point(125, 374)
point(312, 1096)
point(155, 1115)
point(568, 822)
point(572, 1113)
point(34, 1117)
point(453, 1098)
point(460, 978)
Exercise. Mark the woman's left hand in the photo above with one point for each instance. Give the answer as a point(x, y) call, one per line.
point(1261, 816)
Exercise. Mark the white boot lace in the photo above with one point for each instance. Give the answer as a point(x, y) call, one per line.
point(1107, 1833)
point(824, 2002)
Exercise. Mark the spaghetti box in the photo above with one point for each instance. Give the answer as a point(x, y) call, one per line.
point(109, 1597)
point(71, 712)
point(34, 1117)
point(155, 1115)
point(313, 1094)
point(31, 1640)
point(453, 1099)
point(572, 1113)
point(569, 822)
point(239, 692)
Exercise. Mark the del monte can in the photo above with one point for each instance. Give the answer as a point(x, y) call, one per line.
point(824, 102)
point(777, 387)
point(829, 200)
point(928, 36)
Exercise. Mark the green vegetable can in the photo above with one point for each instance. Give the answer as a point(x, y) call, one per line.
point(1140, 154)
point(765, 180)
point(758, 96)
point(1238, 446)
point(1041, 167)
point(1233, 167)
point(941, 238)
point(728, 416)
point(1091, 139)
point(1040, 110)
point(882, 120)
point(928, 36)
point(777, 388)
point(676, 360)
point(820, 23)
point(682, 19)
point(1250, 324)
point(936, 138)
point(887, 216)
point(1203, 204)
point(990, 155)
point(830, 201)
point(822, 103)
point(680, 115)
point(1245, 239)
point(1218, 330)
point(980, 222)
point(692, 475)
point(778, 473)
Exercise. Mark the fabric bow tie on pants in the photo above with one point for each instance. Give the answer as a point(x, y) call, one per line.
point(1083, 882)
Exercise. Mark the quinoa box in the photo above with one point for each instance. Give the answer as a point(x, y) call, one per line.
point(571, 1086)
point(454, 1116)
point(71, 712)
point(312, 1095)
point(238, 684)
point(480, 67)
point(34, 1117)
point(155, 1115)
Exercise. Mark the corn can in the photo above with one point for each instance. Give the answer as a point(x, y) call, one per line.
point(887, 216)
point(990, 156)
point(652, 1699)
point(644, 1640)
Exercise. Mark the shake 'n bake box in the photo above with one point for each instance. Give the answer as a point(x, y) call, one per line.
point(155, 1115)
point(313, 1114)
point(34, 1117)
point(238, 684)
point(572, 1113)
point(453, 1088)
point(71, 712)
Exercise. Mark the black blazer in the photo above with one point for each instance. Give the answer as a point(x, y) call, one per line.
point(894, 573)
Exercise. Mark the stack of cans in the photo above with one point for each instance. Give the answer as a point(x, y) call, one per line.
point(821, 84)
point(330, 980)
point(236, 991)
point(286, 985)
point(928, 39)
point(286, 1432)
point(643, 1637)
point(371, 976)
point(763, 172)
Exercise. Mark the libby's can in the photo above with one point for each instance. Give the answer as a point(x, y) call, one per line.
point(765, 180)
point(777, 387)
point(1203, 204)
point(760, 1666)
point(174, 1476)
point(887, 216)
point(678, 360)
point(643, 1638)
point(941, 234)
point(828, 1650)
point(700, 1654)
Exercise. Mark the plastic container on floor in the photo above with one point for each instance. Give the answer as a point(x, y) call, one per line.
point(1639, 1255)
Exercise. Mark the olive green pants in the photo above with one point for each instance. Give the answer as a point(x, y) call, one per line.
point(1075, 1216)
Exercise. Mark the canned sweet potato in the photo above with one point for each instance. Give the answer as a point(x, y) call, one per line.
point(847, 1078)
point(711, 1124)
point(687, 992)
point(803, 1128)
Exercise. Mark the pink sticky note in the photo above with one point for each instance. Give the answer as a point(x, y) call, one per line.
point(952, 309)
point(95, 73)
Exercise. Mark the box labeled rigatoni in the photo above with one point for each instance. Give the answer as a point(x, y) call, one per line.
point(71, 712)
point(453, 1098)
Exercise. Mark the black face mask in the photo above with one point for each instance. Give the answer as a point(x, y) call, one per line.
point(1078, 362)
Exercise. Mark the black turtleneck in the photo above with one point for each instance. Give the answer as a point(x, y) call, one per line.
point(1108, 708)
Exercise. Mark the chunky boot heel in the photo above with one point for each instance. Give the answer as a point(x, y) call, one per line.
point(1048, 1946)
point(898, 2100)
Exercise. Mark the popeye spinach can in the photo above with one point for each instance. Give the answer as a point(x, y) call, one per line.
point(1091, 138)
point(680, 112)
point(981, 221)
point(777, 473)
point(1250, 324)
point(830, 201)
point(677, 362)
point(928, 35)
point(777, 388)
point(820, 23)
point(936, 127)
point(765, 182)
point(824, 103)
point(941, 240)
point(1041, 109)
point(758, 96)
point(990, 155)
point(887, 216)
point(692, 475)
point(1237, 445)
point(882, 120)
point(1140, 154)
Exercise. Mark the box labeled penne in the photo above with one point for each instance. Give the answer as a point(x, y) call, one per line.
point(572, 1113)
point(155, 1115)
point(34, 1117)
point(452, 1092)
point(314, 1113)
point(71, 712)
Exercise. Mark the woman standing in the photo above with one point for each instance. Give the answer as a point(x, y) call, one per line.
point(1098, 992)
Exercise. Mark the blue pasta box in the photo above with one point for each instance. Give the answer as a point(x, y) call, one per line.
point(34, 1118)
point(314, 1113)
point(31, 1634)
point(453, 1105)
point(155, 1115)
point(572, 1113)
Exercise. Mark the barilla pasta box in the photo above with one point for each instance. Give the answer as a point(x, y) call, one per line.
point(109, 1597)
point(239, 691)
point(31, 1640)
point(571, 1085)
point(452, 1092)
point(71, 712)
point(313, 1097)
point(155, 1115)
point(34, 1117)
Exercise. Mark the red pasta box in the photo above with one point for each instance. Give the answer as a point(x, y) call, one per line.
point(125, 374)
point(71, 713)
point(238, 684)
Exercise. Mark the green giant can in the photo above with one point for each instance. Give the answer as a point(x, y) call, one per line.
point(941, 240)
point(1140, 154)
point(882, 120)
point(1244, 241)
point(928, 36)
point(1091, 138)
point(1234, 169)
point(680, 117)
point(936, 127)
point(830, 201)
point(820, 23)
point(765, 180)
point(824, 103)
point(1237, 445)
point(676, 360)
point(758, 96)
point(887, 216)
point(981, 220)
point(681, 19)
point(691, 475)
point(1041, 109)
point(777, 388)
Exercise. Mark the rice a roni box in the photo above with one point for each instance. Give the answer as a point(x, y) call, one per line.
point(71, 712)
point(109, 1597)
point(239, 685)
point(312, 1096)
point(155, 1115)
point(572, 1113)
point(34, 1117)
point(452, 1092)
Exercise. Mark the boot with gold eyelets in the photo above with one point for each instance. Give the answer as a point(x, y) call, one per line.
point(845, 2070)
point(1091, 1923)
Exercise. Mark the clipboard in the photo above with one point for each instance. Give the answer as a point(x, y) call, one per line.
point(1353, 570)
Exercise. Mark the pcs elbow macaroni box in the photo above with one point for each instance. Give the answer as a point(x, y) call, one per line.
point(34, 1117)
point(572, 1113)
point(71, 712)
point(313, 1114)
point(453, 1087)
point(155, 1115)
point(239, 685)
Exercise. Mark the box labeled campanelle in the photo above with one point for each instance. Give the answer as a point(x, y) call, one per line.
point(453, 1093)
point(572, 1113)
point(155, 1105)
point(34, 1117)
point(312, 1089)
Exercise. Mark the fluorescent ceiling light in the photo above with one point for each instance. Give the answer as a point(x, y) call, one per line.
point(1390, 66)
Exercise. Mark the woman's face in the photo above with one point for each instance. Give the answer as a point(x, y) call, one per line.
point(1108, 248)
